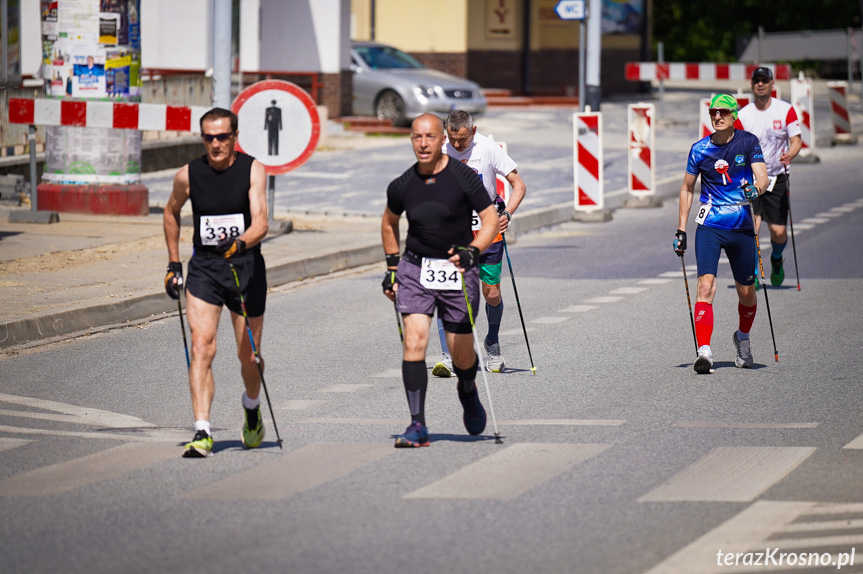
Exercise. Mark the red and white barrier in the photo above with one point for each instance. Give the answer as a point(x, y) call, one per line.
point(97, 114)
point(588, 171)
point(647, 71)
point(839, 108)
point(802, 100)
point(642, 171)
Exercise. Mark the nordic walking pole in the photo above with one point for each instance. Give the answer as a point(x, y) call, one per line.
point(791, 222)
point(763, 282)
point(689, 302)
point(497, 439)
point(183, 328)
point(255, 351)
point(518, 303)
point(399, 322)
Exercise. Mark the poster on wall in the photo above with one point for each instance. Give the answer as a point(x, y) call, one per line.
point(88, 74)
point(117, 73)
point(78, 20)
point(109, 28)
point(622, 16)
point(115, 15)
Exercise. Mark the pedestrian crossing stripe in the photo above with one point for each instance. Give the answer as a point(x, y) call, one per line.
point(730, 474)
point(509, 472)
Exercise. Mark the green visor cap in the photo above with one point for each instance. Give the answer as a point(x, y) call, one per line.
point(725, 101)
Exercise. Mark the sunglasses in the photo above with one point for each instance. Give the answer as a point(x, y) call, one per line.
point(723, 112)
point(221, 137)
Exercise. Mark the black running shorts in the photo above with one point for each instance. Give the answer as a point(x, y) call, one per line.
point(773, 205)
point(210, 279)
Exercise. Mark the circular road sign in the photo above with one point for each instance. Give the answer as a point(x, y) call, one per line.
point(278, 125)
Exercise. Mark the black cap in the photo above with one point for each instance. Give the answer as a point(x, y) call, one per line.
point(762, 71)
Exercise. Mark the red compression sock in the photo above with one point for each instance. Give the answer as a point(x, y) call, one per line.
point(747, 317)
point(703, 323)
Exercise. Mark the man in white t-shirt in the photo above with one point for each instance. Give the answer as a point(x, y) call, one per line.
point(775, 124)
point(488, 160)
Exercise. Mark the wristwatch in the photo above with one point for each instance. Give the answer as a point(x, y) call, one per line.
point(508, 215)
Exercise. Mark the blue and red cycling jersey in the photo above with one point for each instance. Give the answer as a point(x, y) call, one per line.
point(723, 169)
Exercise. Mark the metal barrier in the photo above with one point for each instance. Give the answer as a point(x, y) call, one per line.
point(15, 135)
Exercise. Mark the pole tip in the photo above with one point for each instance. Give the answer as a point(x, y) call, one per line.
point(533, 370)
point(497, 439)
point(280, 443)
point(776, 356)
point(798, 287)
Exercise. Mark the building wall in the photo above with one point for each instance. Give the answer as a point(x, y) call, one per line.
point(422, 26)
point(176, 35)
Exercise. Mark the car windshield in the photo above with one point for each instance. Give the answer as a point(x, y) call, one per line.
point(379, 57)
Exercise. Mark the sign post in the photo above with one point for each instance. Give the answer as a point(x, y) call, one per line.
point(576, 10)
point(280, 127)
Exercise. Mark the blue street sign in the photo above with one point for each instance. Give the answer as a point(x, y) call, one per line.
point(570, 9)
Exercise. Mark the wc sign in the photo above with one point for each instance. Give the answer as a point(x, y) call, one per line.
point(570, 9)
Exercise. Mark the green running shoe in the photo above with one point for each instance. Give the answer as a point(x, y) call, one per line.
point(200, 447)
point(777, 273)
point(253, 428)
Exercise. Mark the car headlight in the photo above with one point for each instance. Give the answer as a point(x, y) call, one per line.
point(424, 93)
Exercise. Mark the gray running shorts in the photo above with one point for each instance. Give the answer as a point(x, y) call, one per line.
point(413, 297)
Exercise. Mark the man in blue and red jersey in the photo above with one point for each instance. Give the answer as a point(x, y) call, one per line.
point(728, 161)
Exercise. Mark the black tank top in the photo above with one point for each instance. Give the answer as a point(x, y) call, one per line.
point(217, 193)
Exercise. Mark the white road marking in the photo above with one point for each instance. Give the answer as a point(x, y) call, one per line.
point(7, 443)
point(576, 309)
point(740, 425)
point(828, 214)
point(603, 300)
point(353, 421)
point(345, 388)
point(509, 472)
point(857, 443)
point(149, 434)
point(815, 220)
point(389, 373)
point(87, 470)
point(656, 281)
point(628, 290)
point(83, 415)
point(678, 273)
point(843, 209)
point(299, 405)
point(730, 474)
point(294, 472)
point(320, 174)
point(751, 531)
point(550, 320)
point(518, 332)
point(564, 422)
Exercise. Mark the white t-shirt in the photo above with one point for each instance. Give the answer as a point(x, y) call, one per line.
point(486, 158)
point(773, 127)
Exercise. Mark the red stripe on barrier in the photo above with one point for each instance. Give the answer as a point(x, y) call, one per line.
point(691, 71)
point(73, 113)
point(591, 122)
point(722, 72)
point(22, 111)
point(632, 72)
point(178, 118)
point(126, 116)
point(783, 72)
point(584, 199)
point(662, 71)
point(588, 161)
point(645, 156)
point(637, 184)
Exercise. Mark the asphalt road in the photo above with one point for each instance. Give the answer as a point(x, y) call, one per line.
point(616, 456)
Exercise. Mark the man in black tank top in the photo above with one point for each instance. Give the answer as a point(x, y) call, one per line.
point(438, 196)
point(229, 207)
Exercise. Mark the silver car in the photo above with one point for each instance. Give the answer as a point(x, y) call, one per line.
point(390, 84)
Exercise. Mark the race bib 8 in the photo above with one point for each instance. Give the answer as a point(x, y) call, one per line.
point(703, 210)
point(439, 274)
point(214, 226)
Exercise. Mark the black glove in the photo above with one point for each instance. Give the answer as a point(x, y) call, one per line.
point(680, 242)
point(231, 246)
point(467, 256)
point(174, 279)
point(390, 280)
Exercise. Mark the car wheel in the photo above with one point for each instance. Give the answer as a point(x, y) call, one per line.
point(390, 106)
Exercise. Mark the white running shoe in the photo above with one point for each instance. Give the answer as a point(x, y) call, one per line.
point(494, 363)
point(744, 352)
point(443, 368)
point(704, 362)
